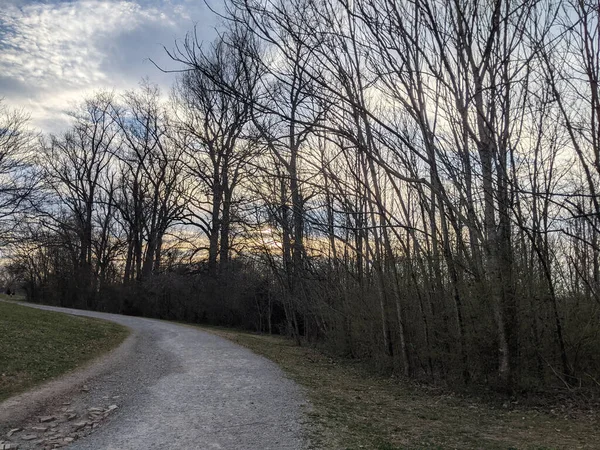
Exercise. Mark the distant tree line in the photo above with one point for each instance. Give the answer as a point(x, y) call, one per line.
point(410, 182)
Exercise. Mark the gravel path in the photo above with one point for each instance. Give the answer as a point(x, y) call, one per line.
point(181, 388)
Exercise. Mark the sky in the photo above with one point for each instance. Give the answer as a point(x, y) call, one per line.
point(55, 52)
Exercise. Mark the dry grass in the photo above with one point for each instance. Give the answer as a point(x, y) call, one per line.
point(355, 410)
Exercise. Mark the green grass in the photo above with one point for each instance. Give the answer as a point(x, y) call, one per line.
point(36, 345)
point(353, 409)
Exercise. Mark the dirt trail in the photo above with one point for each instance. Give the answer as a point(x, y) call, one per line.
point(169, 386)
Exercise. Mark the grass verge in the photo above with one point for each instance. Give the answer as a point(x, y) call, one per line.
point(36, 345)
point(355, 410)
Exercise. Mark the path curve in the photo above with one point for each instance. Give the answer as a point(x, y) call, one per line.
point(182, 388)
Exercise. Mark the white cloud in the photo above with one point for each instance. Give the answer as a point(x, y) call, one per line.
point(50, 43)
point(51, 52)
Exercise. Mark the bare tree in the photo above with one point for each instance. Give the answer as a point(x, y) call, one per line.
point(213, 123)
point(151, 190)
point(17, 179)
point(74, 168)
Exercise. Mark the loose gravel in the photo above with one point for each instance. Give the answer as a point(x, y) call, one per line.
point(175, 387)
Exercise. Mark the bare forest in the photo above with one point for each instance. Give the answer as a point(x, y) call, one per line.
point(414, 183)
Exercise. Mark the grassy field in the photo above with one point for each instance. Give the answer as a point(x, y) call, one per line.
point(355, 410)
point(36, 346)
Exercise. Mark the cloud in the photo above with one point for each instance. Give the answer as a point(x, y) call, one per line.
point(63, 42)
point(52, 51)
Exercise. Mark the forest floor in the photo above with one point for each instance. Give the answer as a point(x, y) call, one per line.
point(36, 346)
point(355, 409)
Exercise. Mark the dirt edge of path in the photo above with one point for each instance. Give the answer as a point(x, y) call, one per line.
point(18, 408)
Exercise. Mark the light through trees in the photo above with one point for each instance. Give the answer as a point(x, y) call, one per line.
point(410, 182)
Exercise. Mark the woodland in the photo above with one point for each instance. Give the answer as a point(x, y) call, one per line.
point(413, 183)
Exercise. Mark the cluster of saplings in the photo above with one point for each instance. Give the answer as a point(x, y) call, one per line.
point(412, 183)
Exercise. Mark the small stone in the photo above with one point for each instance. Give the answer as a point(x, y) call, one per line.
point(8, 446)
point(112, 407)
point(80, 425)
point(13, 431)
point(47, 419)
point(71, 416)
point(96, 410)
point(68, 440)
point(29, 437)
point(39, 429)
point(85, 388)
